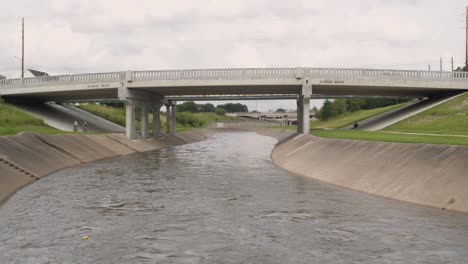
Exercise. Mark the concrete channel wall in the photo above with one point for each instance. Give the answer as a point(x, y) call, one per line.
point(432, 175)
point(29, 157)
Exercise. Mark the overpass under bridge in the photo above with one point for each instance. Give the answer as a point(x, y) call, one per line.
point(153, 89)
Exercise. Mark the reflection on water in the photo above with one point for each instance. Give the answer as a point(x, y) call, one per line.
point(218, 201)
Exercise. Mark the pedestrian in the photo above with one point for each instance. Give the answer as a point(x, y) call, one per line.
point(355, 125)
point(85, 126)
point(75, 126)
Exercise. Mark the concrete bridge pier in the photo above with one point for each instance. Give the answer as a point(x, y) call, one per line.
point(173, 117)
point(146, 100)
point(130, 130)
point(299, 115)
point(157, 118)
point(168, 117)
point(303, 108)
point(144, 119)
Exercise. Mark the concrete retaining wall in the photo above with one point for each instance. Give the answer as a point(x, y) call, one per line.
point(433, 175)
point(28, 157)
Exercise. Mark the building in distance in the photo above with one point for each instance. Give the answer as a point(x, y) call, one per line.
point(29, 73)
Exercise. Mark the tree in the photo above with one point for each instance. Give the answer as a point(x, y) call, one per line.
point(354, 104)
point(187, 107)
point(208, 108)
point(326, 112)
point(220, 111)
point(339, 107)
point(233, 108)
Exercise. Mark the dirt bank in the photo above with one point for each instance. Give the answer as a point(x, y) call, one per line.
point(433, 175)
point(29, 157)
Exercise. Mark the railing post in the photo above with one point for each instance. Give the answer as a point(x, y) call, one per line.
point(299, 73)
point(129, 76)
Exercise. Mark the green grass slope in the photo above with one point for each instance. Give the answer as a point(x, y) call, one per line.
point(14, 121)
point(351, 117)
point(185, 120)
point(391, 137)
point(448, 118)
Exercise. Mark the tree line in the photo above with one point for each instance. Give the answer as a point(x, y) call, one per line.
point(210, 108)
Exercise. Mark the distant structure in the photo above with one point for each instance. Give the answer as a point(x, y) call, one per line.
point(313, 113)
point(2, 77)
point(29, 73)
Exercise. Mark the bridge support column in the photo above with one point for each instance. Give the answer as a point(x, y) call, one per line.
point(299, 115)
point(168, 118)
point(173, 117)
point(131, 97)
point(157, 119)
point(303, 115)
point(303, 108)
point(130, 130)
point(144, 119)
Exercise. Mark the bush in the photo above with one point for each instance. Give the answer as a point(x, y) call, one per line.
point(220, 111)
point(189, 120)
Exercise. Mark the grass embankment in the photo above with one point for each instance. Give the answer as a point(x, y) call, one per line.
point(14, 121)
point(349, 118)
point(448, 118)
point(390, 137)
point(185, 120)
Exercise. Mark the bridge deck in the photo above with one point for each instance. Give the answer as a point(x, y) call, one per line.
point(218, 82)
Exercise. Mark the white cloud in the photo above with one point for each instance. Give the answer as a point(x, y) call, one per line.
point(106, 35)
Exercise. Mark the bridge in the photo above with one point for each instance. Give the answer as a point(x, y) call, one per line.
point(153, 89)
point(286, 118)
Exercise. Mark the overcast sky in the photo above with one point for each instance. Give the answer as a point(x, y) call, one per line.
point(79, 36)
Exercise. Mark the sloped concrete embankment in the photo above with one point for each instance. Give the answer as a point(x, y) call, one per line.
point(433, 175)
point(29, 157)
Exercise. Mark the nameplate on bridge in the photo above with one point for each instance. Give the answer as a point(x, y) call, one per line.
point(105, 85)
point(331, 81)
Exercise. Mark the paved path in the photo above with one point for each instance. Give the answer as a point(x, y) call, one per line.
point(425, 134)
point(62, 116)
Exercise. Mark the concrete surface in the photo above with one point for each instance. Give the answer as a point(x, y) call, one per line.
point(12, 179)
point(30, 156)
point(62, 116)
point(432, 175)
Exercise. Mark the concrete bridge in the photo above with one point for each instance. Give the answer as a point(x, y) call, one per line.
point(286, 119)
point(153, 89)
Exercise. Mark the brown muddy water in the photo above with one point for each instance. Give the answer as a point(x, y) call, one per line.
point(217, 201)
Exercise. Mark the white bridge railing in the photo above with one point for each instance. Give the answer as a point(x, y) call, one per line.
point(233, 74)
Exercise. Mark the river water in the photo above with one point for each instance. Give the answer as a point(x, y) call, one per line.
point(217, 201)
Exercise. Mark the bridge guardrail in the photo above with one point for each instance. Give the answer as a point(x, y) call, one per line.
point(233, 74)
point(65, 79)
point(386, 73)
point(206, 74)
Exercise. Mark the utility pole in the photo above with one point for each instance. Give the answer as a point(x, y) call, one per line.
point(440, 63)
point(466, 40)
point(429, 67)
point(452, 62)
point(22, 50)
